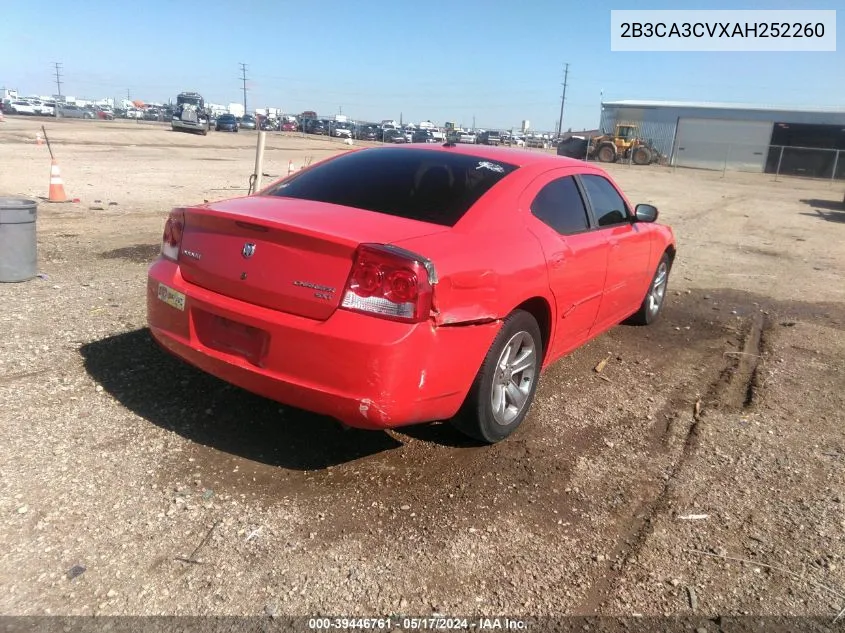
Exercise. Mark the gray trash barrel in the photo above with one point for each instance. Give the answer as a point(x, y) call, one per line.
point(18, 241)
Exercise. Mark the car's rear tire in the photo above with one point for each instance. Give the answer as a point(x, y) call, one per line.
point(655, 297)
point(504, 387)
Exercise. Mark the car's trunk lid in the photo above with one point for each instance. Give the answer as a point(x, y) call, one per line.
point(281, 253)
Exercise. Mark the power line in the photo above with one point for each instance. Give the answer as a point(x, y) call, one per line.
point(243, 77)
point(562, 100)
point(58, 78)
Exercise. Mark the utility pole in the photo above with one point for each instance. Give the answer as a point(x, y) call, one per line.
point(128, 95)
point(243, 78)
point(562, 100)
point(58, 79)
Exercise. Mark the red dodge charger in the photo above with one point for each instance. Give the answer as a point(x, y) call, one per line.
point(397, 285)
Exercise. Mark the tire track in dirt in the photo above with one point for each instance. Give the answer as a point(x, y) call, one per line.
point(736, 388)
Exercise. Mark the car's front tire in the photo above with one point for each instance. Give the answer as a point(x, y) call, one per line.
point(504, 387)
point(654, 299)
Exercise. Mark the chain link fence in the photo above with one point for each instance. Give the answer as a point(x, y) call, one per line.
point(777, 160)
point(806, 162)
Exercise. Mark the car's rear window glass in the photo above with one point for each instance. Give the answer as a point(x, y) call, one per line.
point(430, 186)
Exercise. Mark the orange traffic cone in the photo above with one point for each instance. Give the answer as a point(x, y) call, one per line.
point(57, 187)
point(39, 140)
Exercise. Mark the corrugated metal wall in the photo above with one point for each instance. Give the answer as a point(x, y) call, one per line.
point(660, 124)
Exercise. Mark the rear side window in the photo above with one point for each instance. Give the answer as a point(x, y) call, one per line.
point(608, 206)
point(560, 206)
point(430, 186)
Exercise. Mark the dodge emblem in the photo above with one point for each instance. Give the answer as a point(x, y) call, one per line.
point(248, 250)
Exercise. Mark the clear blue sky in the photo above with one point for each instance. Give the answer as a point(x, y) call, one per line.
point(439, 59)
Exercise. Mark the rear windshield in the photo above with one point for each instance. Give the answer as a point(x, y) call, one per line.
point(431, 186)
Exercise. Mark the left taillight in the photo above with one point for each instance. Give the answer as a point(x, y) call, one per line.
point(391, 283)
point(171, 241)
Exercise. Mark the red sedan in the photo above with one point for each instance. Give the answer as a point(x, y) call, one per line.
point(397, 285)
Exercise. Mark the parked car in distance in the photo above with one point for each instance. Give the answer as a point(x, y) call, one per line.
point(317, 126)
point(342, 129)
point(467, 137)
point(423, 136)
point(247, 122)
point(20, 106)
point(289, 126)
point(399, 285)
point(227, 123)
point(368, 133)
point(392, 135)
point(70, 111)
point(490, 137)
point(267, 124)
point(538, 140)
point(513, 139)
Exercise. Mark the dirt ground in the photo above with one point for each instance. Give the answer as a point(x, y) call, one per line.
point(714, 435)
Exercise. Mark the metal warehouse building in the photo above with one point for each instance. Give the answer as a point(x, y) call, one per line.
point(801, 142)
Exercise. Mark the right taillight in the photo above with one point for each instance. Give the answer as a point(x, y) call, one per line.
point(391, 283)
point(171, 241)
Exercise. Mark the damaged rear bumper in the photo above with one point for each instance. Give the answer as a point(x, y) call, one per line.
point(364, 371)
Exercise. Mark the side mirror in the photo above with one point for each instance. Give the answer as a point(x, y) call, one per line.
point(646, 213)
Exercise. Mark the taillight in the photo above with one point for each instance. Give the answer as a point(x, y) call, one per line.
point(390, 282)
point(171, 241)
